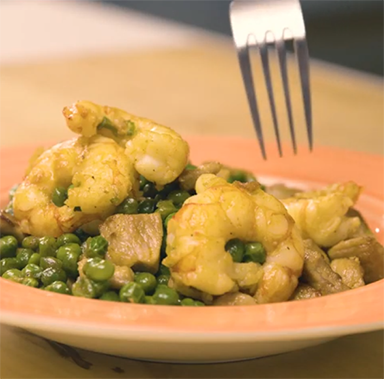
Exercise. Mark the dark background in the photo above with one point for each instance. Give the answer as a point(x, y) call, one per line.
point(346, 32)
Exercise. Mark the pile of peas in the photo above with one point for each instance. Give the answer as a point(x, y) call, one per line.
point(52, 263)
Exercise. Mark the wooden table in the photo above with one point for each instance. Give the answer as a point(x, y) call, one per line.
point(195, 90)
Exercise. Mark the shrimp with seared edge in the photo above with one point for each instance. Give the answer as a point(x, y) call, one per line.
point(99, 169)
point(220, 211)
point(322, 215)
point(158, 152)
point(96, 173)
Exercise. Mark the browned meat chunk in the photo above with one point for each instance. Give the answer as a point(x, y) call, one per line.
point(318, 273)
point(364, 228)
point(134, 240)
point(304, 291)
point(188, 178)
point(9, 226)
point(369, 252)
point(350, 271)
point(236, 298)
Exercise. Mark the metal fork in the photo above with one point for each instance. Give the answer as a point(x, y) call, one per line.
point(268, 21)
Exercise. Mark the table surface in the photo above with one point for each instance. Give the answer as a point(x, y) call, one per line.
point(190, 81)
point(195, 90)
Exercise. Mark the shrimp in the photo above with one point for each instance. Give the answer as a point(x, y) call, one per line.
point(321, 215)
point(158, 152)
point(103, 178)
point(220, 211)
point(99, 169)
point(96, 168)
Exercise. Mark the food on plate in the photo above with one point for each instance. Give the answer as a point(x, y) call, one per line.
point(367, 250)
point(134, 240)
point(83, 180)
point(318, 273)
point(304, 291)
point(322, 214)
point(118, 213)
point(219, 213)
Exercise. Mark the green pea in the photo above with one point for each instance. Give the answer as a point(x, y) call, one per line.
point(178, 197)
point(166, 221)
point(237, 176)
point(8, 246)
point(63, 251)
point(12, 191)
point(23, 256)
point(35, 259)
point(236, 248)
point(85, 247)
point(100, 287)
point(83, 287)
point(163, 279)
point(165, 296)
point(70, 282)
point(165, 208)
point(158, 198)
point(98, 246)
point(132, 293)
point(8, 264)
point(32, 271)
point(128, 207)
point(168, 188)
point(81, 234)
point(50, 275)
point(254, 252)
point(46, 262)
point(58, 287)
point(59, 196)
point(110, 296)
point(188, 302)
point(147, 206)
point(98, 269)
point(148, 300)
point(30, 242)
point(190, 166)
point(164, 270)
point(70, 264)
point(14, 275)
point(47, 247)
point(147, 281)
point(69, 259)
point(67, 238)
point(30, 282)
point(149, 190)
point(143, 182)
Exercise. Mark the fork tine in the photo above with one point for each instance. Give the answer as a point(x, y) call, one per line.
point(282, 54)
point(301, 50)
point(246, 71)
point(263, 47)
